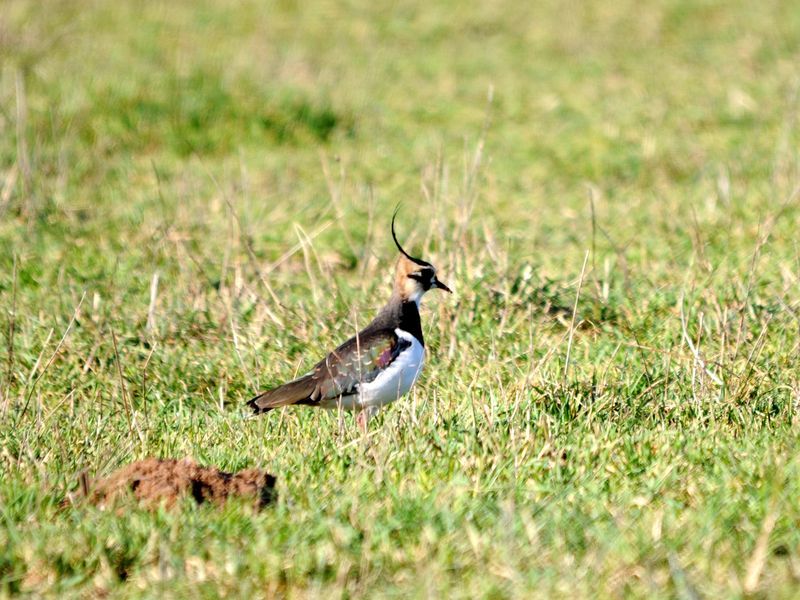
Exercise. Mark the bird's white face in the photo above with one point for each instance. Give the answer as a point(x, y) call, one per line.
point(413, 279)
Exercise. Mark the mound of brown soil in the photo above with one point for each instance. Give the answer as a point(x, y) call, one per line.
point(154, 481)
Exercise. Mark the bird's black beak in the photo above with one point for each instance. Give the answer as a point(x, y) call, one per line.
point(438, 284)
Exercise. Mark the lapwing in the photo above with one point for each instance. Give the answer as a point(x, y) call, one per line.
point(376, 366)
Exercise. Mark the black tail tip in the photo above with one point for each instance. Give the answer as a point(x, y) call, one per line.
point(252, 404)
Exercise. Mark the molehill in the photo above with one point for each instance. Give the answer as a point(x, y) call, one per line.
point(153, 482)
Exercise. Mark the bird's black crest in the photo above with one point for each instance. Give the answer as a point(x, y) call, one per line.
point(419, 261)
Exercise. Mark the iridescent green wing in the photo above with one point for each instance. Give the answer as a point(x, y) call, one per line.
point(359, 360)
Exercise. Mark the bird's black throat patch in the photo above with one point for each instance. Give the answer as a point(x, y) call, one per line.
point(410, 321)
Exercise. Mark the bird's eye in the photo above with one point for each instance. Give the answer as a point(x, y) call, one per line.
point(424, 276)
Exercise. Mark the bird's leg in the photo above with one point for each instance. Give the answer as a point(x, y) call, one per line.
point(364, 415)
point(361, 420)
point(341, 421)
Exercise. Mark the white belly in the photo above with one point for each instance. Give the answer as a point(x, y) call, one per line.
point(393, 382)
point(398, 377)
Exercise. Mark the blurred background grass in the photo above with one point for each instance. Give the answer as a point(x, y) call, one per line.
point(249, 154)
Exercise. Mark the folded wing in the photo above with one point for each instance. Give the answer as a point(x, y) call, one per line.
point(359, 360)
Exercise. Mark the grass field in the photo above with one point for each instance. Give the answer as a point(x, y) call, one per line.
point(194, 205)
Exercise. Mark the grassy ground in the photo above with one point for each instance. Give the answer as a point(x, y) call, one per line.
point(626, 426)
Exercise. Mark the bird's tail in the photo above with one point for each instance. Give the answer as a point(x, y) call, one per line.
point(293, 392)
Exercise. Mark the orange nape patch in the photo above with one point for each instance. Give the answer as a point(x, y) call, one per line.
point(404, 285)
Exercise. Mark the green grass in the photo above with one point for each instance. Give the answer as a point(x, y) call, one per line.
point(250, 155)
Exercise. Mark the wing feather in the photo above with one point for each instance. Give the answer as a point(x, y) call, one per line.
point(359, 360)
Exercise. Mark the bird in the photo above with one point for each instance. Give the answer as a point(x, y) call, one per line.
point(376, 366)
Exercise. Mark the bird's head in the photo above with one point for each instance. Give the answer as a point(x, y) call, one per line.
point(414, 276)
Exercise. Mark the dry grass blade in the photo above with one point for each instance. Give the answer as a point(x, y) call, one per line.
point(8, 188)
point(52, 356)
point(151, 310)
point(12, 322)
point(695, 352)
point(123, 389)
point(574, 316)
point(755, 565)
